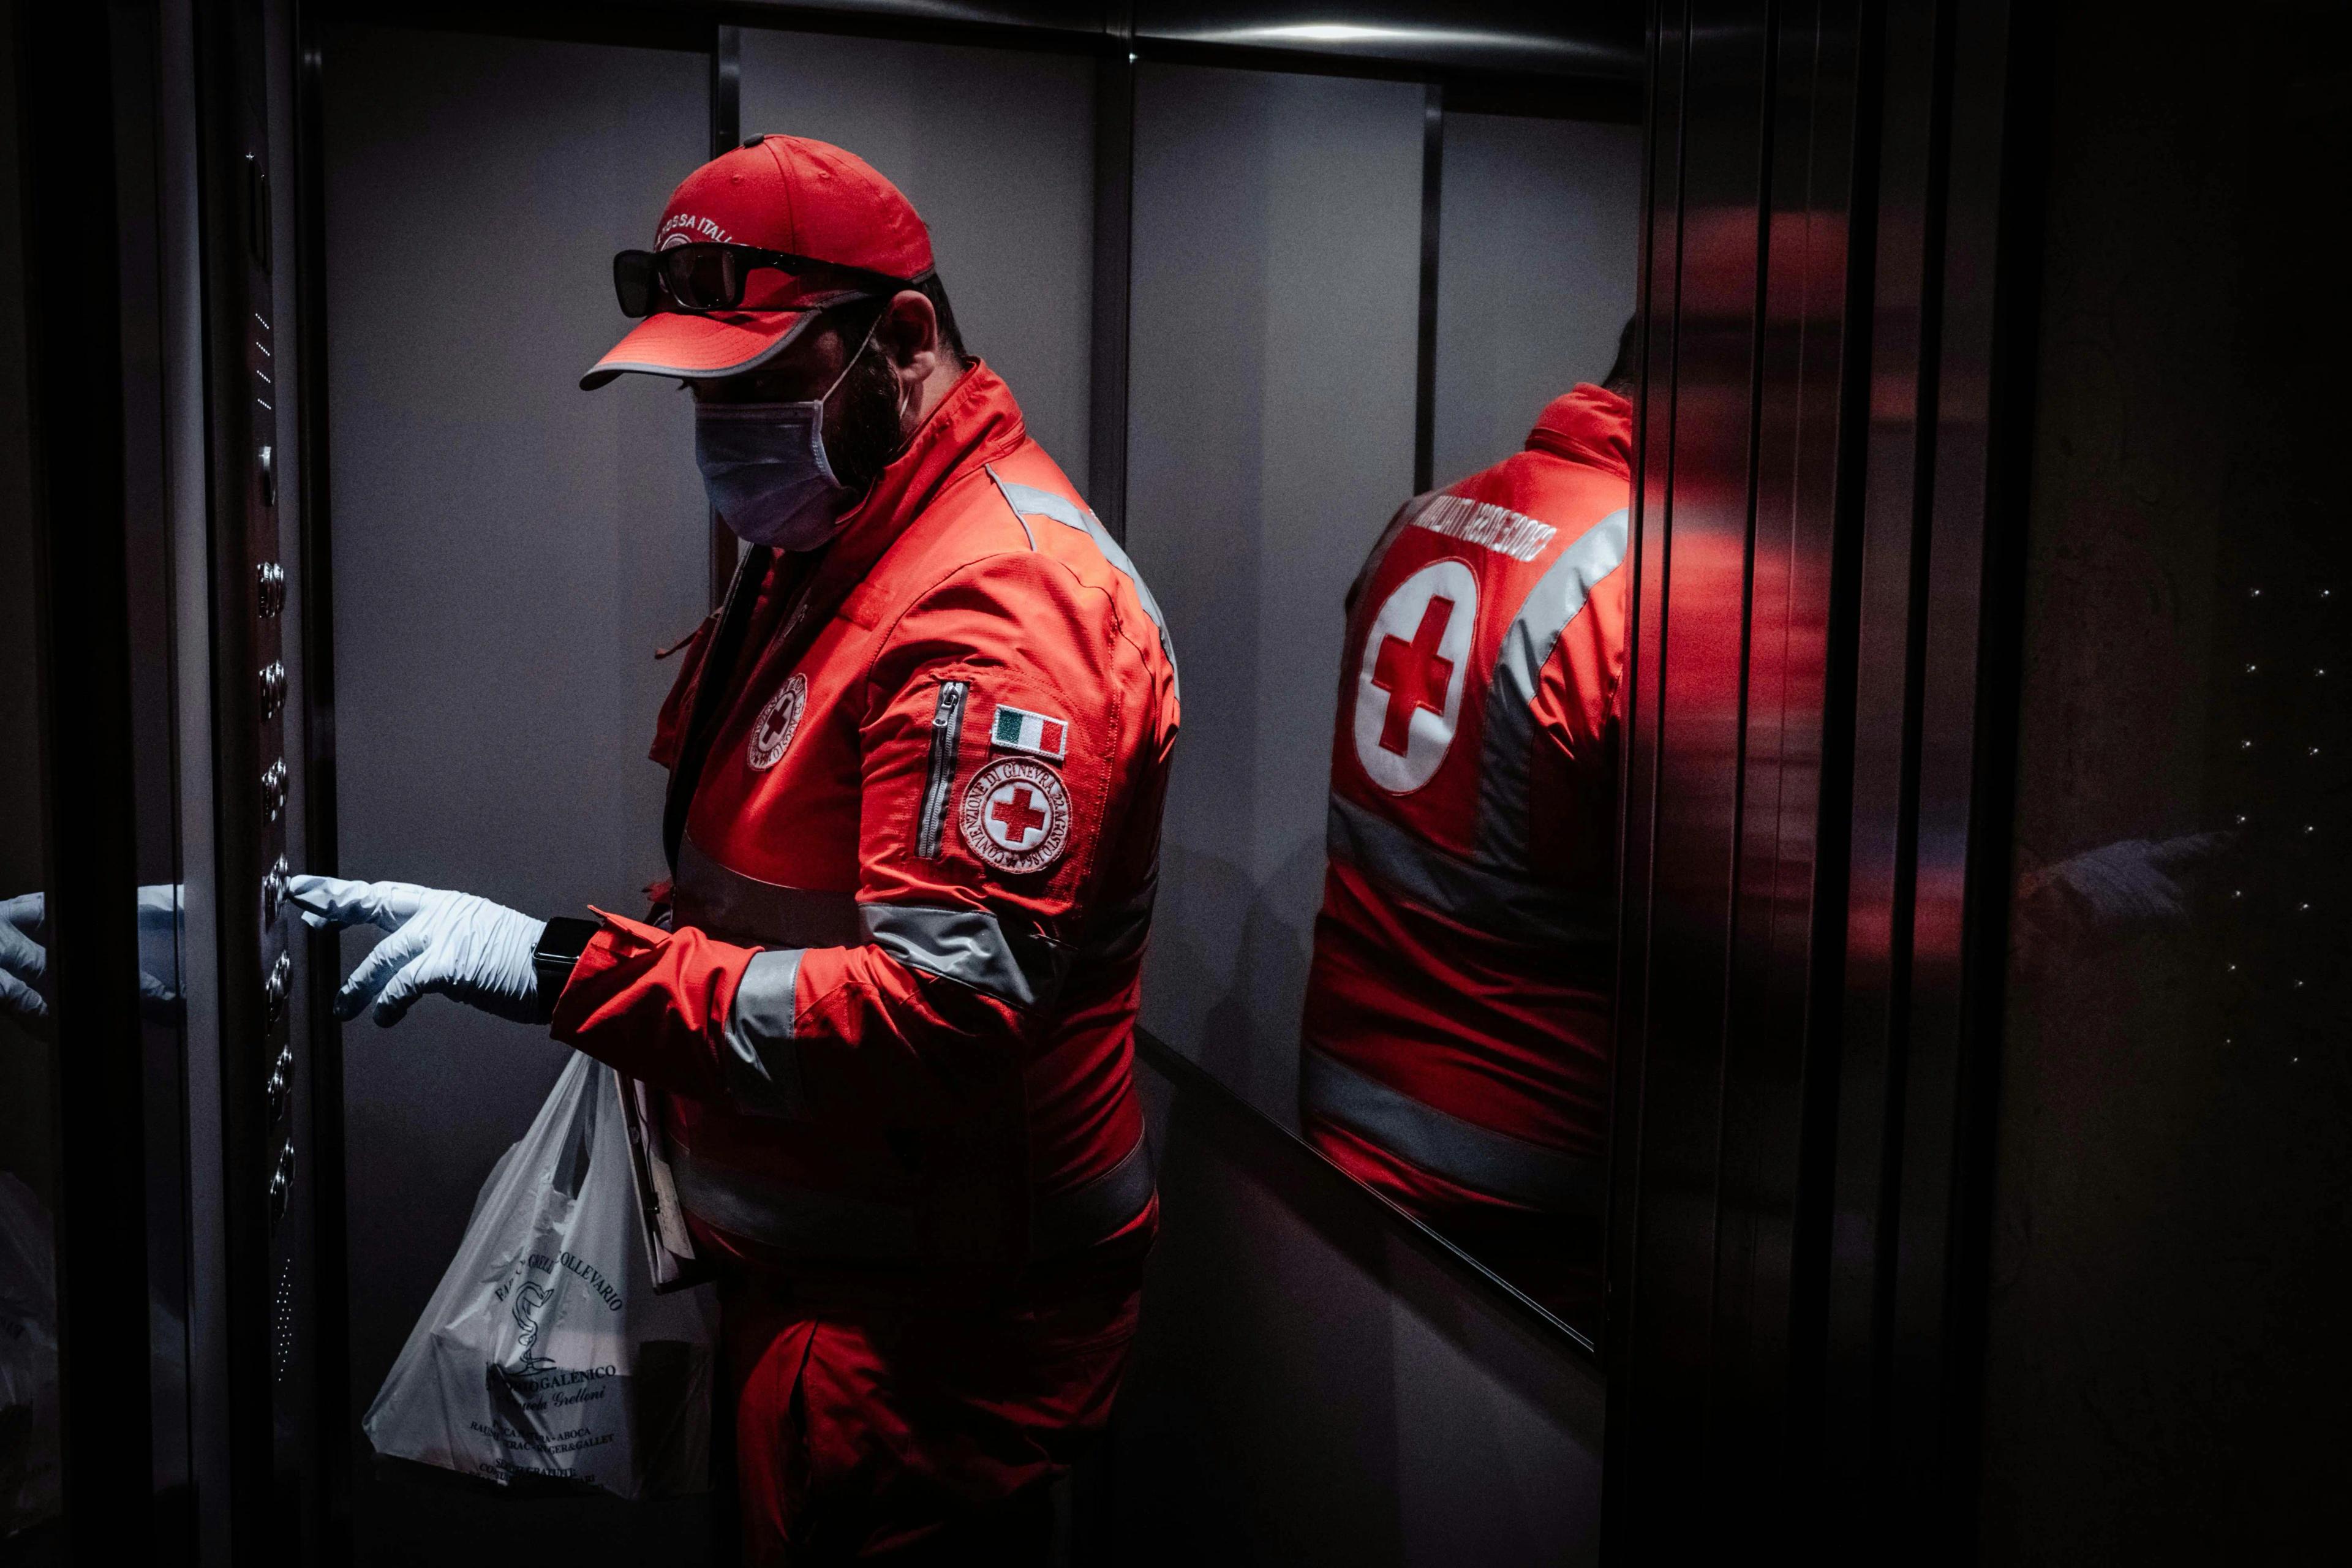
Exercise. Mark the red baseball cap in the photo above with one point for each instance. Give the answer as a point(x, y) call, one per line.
point(775, 193)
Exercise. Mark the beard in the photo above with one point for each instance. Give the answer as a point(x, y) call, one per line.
point(869, 437)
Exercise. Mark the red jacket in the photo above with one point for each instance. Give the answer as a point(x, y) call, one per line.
point(916, 790)
point(1457, 1008)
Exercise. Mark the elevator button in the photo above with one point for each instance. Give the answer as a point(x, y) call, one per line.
point(275, 989)
point(273, 790)
point(272, 681)
point(281, 1181)
point(273, 892)
point(282, 1084)
point(270, 587)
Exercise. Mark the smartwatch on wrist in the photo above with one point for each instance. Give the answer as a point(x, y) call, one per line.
point(553, 961)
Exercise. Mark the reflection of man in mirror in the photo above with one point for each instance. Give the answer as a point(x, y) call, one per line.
point(1456, 1036)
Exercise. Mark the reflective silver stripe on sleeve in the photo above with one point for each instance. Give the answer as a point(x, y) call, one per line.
point(1504, 808)
point(969, 945)
point(762, 1065)
point(737, 908)
point(1462, 1151)
point(817, 1226)
point(1486, 900)
point(1031, 502)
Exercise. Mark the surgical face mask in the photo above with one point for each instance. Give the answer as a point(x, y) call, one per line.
point(765, 470)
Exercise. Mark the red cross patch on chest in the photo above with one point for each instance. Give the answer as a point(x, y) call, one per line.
point(772, 731)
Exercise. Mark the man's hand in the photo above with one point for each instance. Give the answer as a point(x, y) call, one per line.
point(451, 943)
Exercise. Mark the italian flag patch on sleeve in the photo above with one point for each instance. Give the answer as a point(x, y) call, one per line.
point(1039, 735)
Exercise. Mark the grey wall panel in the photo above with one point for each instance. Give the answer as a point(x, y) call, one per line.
point(996, 151)
point(1538, 257)
point(1271, 426)
point(1309, 1386)
point(509, 552)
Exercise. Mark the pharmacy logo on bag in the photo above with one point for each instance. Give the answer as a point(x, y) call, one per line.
point(528, 1301)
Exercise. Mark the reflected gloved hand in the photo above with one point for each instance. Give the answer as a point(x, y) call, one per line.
point(24, 953)
point(24, 956)
point(453, 944)
point(2131, 885)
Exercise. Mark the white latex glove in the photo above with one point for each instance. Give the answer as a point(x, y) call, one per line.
point(453, 944)
point(24, 953)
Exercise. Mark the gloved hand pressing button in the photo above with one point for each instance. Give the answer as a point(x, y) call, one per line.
point(455, 944)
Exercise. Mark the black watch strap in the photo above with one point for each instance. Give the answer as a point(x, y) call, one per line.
point(560, 947)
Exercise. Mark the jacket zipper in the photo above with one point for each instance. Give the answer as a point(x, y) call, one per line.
point(947, 737)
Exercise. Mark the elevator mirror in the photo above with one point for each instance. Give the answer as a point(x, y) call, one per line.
point(1379, 484)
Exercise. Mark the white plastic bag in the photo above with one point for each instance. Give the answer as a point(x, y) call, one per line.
point(545, 1350)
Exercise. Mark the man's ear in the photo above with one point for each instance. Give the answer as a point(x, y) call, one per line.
point(909, 331)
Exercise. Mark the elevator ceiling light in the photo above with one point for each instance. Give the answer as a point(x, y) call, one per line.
point(1437, 41)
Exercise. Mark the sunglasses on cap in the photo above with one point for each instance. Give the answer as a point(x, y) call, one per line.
point(705, 276)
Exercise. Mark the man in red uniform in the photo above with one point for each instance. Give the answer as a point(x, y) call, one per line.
point(917, 766)
point(1455, 1050)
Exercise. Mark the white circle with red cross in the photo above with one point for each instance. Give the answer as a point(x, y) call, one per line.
point(1409, 682)
point(1017, 815)
point(771, 732)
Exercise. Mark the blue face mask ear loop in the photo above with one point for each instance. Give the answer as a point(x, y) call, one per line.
point(898, 398)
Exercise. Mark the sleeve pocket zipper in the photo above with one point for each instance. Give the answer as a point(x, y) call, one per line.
point(947, 736)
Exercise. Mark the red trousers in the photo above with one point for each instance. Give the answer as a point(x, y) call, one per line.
point(865, 1432)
